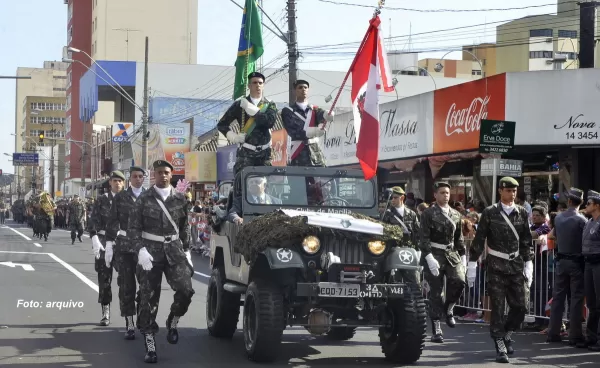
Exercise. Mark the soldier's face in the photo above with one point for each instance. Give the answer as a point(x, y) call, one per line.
point(136, 179)
point(508, 195)
point(116, 185)
point(301, 92)
point(397, 200)
point(442, 196)
point(592, 207)
point(256, 86)
point(162, 177)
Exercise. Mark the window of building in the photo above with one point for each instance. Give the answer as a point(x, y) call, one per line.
point(59, 89)
point(540, 54)
point(70, 11)
point(475, 72)
point(70, 35)
point(571, 55)
point(540, 33)
point(563, 33)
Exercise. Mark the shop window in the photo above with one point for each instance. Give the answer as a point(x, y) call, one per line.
point(540, 33)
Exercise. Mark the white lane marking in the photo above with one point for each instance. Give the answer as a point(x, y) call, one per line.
point(81, 276)
point(202, 274)
point(37, 245)
point(20, 233)
point(67, 231)
point(17, 252)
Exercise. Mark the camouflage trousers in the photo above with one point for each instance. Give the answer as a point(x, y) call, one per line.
point(310, 156)
point(504, 289)
point(105, 275)
point(76, 230)
point(125, 264)
point(455, 284)
point(179, 277)
point(246, 157)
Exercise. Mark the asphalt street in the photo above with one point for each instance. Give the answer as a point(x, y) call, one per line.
point(49, 315)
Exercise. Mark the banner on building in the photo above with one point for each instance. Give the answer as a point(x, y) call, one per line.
point(225, 161)
point(122, 132)
point(165, 142)
point(200, 167)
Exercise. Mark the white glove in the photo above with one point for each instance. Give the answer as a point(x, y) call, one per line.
point(188, 255)
point(145, 259)
point(97, 246)
point(108, 256)
point(329, 117)
point(463, 260)
point(236, 138)
point(433, 264)
point(528, 272)
point(419, 256)
point(312, 132)
point(251, 109)
point(471, 273)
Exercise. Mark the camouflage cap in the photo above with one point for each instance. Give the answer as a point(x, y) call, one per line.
point(441, 184)
point(593, 195)
point(162, 163)
point(117, 175)
point(398, 190)
point(508, 182)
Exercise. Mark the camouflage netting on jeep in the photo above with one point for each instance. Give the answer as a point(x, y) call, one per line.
point(278, 230)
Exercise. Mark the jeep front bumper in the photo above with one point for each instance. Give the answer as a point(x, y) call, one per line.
point(351, 290)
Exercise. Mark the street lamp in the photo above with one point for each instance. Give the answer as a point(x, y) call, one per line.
point(438, 66)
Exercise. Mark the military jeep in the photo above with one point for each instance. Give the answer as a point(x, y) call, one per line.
point(330, 280)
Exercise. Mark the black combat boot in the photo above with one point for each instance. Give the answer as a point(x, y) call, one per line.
point(105, 321)
point(436, 332)
point(150, 345)
point(172, 334)
point(501, 353)
point(449, 308)
point(130, 334)
point(72, 241)
point(508, 342)
point(78, 237)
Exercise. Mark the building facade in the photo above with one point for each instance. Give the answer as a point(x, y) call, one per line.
point(485, 53)
point(461, 69)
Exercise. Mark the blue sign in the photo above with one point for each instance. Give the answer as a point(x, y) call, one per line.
point(26, 159)
point(225, 161)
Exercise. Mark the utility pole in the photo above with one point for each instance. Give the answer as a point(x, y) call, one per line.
point(145, 113)
point(83, 162)
point(587, 18)
point(292, 48)
point(52, 162)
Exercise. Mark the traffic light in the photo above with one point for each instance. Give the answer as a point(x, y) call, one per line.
point(41, 137)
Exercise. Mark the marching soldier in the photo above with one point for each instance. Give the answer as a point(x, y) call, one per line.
point(304, 125)
point(442, 245)
point(256, 116)
point(160, 233)
point(119, 243)
point(591, 252)
point(509, 267)
point(77, 215)
point(97, 227)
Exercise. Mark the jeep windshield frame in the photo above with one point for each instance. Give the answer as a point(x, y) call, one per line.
point(298, 181)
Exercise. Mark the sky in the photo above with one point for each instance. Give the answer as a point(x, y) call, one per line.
point(32, 31)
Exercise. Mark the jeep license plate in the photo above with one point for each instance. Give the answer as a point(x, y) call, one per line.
point(332, 289)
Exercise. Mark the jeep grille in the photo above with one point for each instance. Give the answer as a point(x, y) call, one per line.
point(347, 251)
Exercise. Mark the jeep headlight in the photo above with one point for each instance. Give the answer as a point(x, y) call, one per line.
point(311, 244)
point(376, 247)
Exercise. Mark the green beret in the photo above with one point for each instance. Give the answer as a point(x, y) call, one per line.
point(162, 163)
point(137, 168)
point(508, 182)
point(398, 190)
point(441, 184)
point(117, 175)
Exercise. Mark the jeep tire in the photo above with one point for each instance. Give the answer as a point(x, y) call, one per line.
point(222, 307)
point(341, 333)
point(263, 320)
point(402, 342)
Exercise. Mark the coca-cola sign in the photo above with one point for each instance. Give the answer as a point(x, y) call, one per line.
point(458, 111)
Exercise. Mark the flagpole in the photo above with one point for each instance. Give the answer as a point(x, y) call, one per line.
point(380, 5)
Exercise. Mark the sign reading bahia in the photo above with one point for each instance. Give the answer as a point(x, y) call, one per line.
point(496, 136)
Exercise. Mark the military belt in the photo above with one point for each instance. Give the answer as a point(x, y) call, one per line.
point(506, 256)
point(122, 233)
point(256, 148)
point(160, 238)
point(441, 246)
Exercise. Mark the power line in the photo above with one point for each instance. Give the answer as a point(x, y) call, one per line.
point(442, 10)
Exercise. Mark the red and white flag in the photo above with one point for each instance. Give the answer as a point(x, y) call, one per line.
point(370, 73)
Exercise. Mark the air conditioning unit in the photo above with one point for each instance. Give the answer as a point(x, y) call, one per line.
point(560, 56)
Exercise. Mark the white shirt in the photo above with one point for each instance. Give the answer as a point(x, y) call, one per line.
point(258, 198)
point(508, 209)
point(164, 192)
point(302, 105)
point(255, 100)
point(445, 209)
point(400, 211)
point(136, 191)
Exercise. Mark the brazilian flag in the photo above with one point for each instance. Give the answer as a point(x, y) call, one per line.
point(250, 47)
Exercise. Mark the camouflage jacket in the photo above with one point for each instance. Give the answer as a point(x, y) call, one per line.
point(76, 213)
point(294, 125)
point(148, 217)
point(121, 207)
point(100, 214)
point(500, 237)
point(264, 121)
point(410, 221)
point(437, 228)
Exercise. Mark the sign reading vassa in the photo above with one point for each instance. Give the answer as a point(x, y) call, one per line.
point(404, 132)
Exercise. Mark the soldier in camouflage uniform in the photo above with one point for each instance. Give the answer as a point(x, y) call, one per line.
point(77, 215)
point(125, 255)
point(508, 264)
point(304, 125)
point(97, 227)
point(442, 245)
point(160, 232)
point(256, 116)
